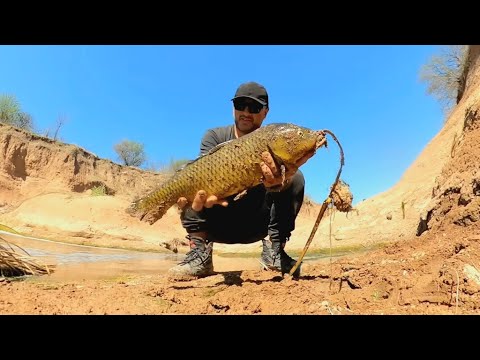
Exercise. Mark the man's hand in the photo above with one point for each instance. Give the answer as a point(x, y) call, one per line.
point(272, 175)
point(201, 200)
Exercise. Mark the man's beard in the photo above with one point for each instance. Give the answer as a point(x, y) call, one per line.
point(246, 127)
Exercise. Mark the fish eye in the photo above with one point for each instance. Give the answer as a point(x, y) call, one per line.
point(299, 132)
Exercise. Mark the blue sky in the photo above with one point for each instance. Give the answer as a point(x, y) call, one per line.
point(166, 97)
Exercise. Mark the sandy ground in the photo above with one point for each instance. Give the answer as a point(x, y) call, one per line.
point(428, 275)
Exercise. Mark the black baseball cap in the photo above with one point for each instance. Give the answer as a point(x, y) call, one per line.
point(253, 91)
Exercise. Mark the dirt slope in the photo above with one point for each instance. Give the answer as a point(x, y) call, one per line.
point(44, 191)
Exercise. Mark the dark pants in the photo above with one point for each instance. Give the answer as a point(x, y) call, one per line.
point(257, 214)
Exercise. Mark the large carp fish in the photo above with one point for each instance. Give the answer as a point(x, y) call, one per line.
point(231, 167)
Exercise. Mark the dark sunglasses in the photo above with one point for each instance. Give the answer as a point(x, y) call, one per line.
point(253, 106)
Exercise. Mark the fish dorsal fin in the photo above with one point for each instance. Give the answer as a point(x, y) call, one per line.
point(210, 152)
point(219, 146)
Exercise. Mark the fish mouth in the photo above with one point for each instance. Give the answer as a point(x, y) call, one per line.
point(321, 139)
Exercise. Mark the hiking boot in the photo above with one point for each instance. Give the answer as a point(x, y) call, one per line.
point(197, 263)
point(274, 257)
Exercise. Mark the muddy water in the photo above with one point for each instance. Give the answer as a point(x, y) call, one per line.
point(77, 262)
point(74, 262)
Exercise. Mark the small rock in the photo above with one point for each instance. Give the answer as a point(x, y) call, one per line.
point(472, 273)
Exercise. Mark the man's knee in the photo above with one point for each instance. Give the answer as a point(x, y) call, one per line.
point(297, 191)
point(294, 188)
point(298, 182)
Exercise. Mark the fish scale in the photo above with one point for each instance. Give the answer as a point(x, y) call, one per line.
point(229, 168)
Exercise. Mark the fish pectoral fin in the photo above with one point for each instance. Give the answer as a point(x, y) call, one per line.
point(240, 195)
point(278, 162)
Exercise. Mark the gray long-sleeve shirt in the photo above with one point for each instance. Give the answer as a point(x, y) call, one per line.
point(216, 136)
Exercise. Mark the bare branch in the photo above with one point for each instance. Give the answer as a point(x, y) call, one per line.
point(444, 75)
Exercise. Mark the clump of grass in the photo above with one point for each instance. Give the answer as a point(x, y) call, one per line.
point(100, 190)
point(13, 263)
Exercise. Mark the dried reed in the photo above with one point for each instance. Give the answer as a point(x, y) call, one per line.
point(15, 261)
